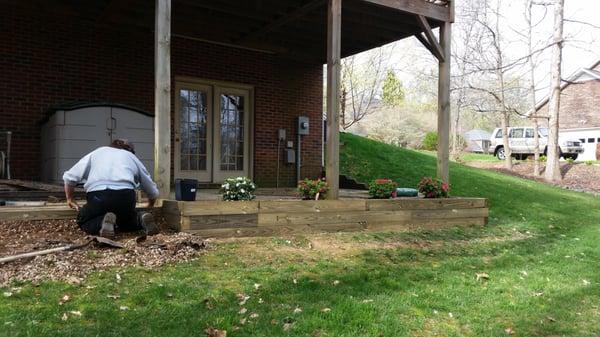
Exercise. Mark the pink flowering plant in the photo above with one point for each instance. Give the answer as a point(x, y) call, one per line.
point(434, 188)
point(382, 189)
point(313, 189)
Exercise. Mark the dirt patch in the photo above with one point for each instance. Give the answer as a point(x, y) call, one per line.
point(73, 266)
point(579, 176)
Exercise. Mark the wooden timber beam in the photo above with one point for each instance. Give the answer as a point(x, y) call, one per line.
point(162, 97)
point(334, 39)
point(419, 7)
point(434, 45)
point(283, 20)
point(443, 123)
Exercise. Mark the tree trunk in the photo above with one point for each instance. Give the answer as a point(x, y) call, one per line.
point(536, 136)
point(552, 166)
point(505, 121)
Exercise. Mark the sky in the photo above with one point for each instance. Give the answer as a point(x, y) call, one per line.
point(582, 47)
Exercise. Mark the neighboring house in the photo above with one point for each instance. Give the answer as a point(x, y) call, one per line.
point(478, 141)
point(580, 109)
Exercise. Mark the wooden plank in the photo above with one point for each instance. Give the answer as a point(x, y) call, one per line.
point(443, 123)
point(215, 207)
point(172, 214)
point(37, 195)
point(411, 225)
point(418, 203)
point(334, 38)
point(276, 230)
point(283, 20)
point(415, 215)
point(223, 221)
point(162, 97)
point(37, 213)
point(284, 219)
point(434, 46)
point(420, 7)
point(311, 206)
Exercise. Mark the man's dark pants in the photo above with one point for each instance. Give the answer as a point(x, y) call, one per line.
point(119, 202)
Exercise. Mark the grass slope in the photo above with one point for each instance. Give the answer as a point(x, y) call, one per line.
point(540, 252)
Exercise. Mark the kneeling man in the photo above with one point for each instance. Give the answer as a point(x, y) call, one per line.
point(111, 174)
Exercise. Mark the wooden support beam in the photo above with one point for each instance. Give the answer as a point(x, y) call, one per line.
point(162, 97)
point(281, 21)
point(419, 7)
point(334, 39)
point(424, 41)
point(443, 151)
point(434, 45)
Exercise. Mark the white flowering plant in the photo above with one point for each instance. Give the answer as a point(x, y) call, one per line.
point(240, 188)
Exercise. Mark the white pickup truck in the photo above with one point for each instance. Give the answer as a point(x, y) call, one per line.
point(522, 144)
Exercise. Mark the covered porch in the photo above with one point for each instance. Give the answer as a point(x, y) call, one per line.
point(309, 31)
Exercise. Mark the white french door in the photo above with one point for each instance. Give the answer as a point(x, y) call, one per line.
point(212, 132)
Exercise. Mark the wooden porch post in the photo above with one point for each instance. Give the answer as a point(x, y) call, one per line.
point(162, 97)
point(332, 158)
point(443, 152)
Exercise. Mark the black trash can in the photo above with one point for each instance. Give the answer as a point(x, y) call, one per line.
point(185, 189)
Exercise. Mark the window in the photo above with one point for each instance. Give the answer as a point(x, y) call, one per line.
point(582, 140)
point(499, 134)
point(528, 133)
point(591, 140)
point(516, 133)
point(598, 140)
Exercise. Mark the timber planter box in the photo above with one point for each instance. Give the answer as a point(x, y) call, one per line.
point(276, 217)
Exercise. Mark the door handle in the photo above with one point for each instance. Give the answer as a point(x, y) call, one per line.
point(113, 123)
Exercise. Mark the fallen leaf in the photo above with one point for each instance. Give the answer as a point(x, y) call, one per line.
point(586, 282)
point(297, 310)
point(124, 308)
point(261, 301)
point(212, 332)
point(75, 313)
point(242, 311)
point(524, 273)
point(482, 276)
point(208, 304)
point(295, 281)
point(74, 280)
point(169, 295)
point(118, 277)
point(64, 317)
point(114, 297)
point(336, 282)
point(509, 331)
point(243, 321)
point(274, 322)
point(7, 294)
point(538, 294)
point(64, 299)
point(287, 326)
point(551, 319)
point(256, 286)
point(367, 301)
point(450, 315)
point(243, 298)
point(325, 310)
point(254, 315)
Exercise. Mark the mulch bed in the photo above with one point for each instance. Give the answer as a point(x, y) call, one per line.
point(73, 266)
point(579, 176)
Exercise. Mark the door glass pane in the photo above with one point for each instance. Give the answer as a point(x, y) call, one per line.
point(232, 136)
point(193, 129)
point(528, 133)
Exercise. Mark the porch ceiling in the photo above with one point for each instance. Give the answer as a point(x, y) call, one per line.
point(292, 28)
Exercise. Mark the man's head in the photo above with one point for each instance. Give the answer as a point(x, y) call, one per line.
point(123, 144)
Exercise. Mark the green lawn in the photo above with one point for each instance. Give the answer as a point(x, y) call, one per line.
point(467, 156)
point(540, 252)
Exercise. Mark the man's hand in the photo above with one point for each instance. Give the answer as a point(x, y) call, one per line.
point(73, 204)
point(151, 203)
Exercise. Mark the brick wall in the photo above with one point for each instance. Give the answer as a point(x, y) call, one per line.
point(579, 106)
point(47, 60)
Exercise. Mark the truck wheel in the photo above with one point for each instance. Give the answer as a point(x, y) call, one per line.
point(500, 154)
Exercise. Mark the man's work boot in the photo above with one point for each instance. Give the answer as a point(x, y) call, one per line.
point(108, 226)
point(148, 224)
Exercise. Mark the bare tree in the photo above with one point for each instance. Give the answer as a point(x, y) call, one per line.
point(552, 172)
point(362, 76)
point(530, 61)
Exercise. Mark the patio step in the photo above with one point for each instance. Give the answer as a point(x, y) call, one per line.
point(350, 183)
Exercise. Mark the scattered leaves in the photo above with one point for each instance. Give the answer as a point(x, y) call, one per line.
point(509, 331)
point(254, 315)
point(242, 311)
point(297, 310)
point(64, 299)
point(482, 276)
point(7, 294)
point(287, 326)
point(243, 298)
point(257, 286)
point(124, 308)
point(336, 282)
point(325, 310)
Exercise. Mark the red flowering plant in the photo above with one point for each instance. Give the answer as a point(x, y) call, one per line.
point(434, 188)
point(313, 189)
point(382, 189)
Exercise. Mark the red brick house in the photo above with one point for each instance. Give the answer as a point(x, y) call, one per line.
point(580, 109)
point(220, 77)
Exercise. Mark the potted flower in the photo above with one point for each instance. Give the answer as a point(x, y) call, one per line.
point(240, 188)
point(382, 189)
point(434, 188)
point(313, 189)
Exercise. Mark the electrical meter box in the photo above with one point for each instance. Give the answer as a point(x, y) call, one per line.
point(303, 125)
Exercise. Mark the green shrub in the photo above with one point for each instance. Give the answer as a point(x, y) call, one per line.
point(382, 189)
point(589, 162)
point(430, 142)
point(434, 188)
point(543, 159)
point(240, 188)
